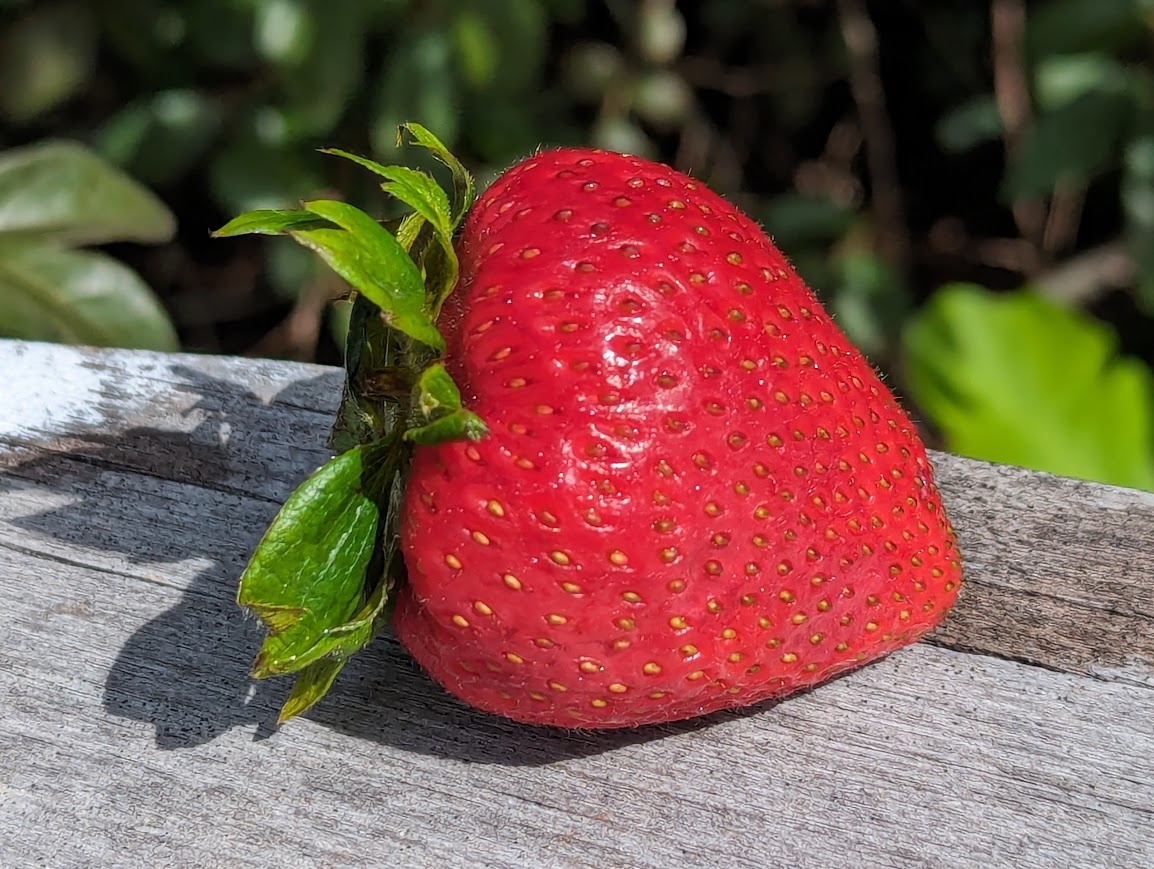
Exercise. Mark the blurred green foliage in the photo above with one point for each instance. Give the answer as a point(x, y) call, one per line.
point(54, 198)
point(1014, 378)
point(893, 150)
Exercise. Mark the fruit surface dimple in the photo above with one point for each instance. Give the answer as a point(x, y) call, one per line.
point(695, 494)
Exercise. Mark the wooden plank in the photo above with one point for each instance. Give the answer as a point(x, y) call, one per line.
point(1058, 570)
point(133, 487)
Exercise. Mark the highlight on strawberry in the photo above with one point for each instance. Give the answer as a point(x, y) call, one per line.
point(602, 459)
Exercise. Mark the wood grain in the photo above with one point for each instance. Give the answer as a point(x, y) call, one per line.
point(133, 487)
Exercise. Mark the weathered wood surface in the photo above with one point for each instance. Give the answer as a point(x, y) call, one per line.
point(133, 487)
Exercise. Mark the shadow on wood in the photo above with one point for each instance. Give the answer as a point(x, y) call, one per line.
point(186, 671)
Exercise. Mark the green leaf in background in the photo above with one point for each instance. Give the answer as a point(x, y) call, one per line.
point(218, 33)
point(478, 49)
point(1014, 378)
point(292, 269)
point(1074, 143)
point(161, 138)
point(508, 57)
point(310, 572)
point(870, 301)
point(319, 87)
point(663, 98)
point(62, 192)
point(973, 123)
point(419, 81)
point(46, 58)
point(796, 219)
point(1067, 26)
point(51, 293)
point(284, 30)
point(1064, 78)
point(256, 171)
point(1138, 205)
point(623, 135)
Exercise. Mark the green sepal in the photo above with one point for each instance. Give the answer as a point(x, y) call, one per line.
point(314, 568)
point(322, 578)
point(270, 221)
point(409, 230)
point(310, 685)
point(435, 392)
point(464, 187)
point(457, 426)
point(430, 207)
point(366, 255)
point(369, 344)
point(437, 399)
point(411, 186)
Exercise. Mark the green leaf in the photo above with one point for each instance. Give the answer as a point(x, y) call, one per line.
point(319, 87)
point(409, 230)
point(161, 138)
point(871, 301)
point(420, 192)
point(796, 219)
point(310, 572)
point(1062, 79)
point(373, 261)
point(256, 171)
point(1071, 144)
point(46, 57)
point(270, 221)
point(418, 81)
point(1014, 378)
point(50, 293)
point(463, 185)
point(973, 123)
point(1138, 207)
point(62, 192)
point(1066, 26)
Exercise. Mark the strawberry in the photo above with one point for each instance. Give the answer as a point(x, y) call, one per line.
point(695, 493)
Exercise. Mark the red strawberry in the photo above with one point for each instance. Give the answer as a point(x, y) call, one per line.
point(696, 494)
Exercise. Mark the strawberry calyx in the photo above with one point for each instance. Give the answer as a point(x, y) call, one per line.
point(322, 576)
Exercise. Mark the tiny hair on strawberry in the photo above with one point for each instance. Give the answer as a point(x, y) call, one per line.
point(602, 458)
